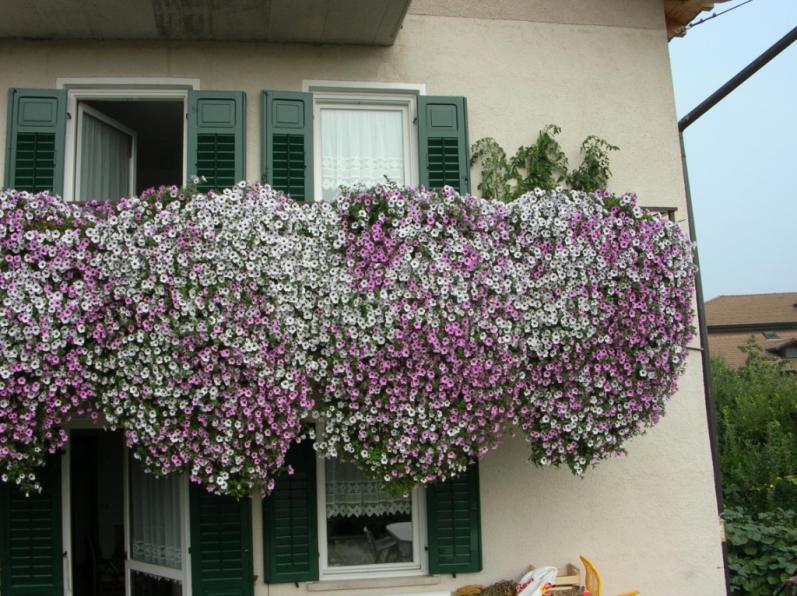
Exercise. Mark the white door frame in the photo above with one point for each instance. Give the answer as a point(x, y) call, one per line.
point(184, 576)
point(119, 89)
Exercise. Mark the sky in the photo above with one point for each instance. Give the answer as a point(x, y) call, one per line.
point(742, 154)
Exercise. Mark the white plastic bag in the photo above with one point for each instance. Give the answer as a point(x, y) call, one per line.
point(533, 582)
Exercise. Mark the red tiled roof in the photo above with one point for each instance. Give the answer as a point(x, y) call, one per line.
point(752, 309)
point(733, 320)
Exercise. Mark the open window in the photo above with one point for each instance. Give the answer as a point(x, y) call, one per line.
point(126, 146)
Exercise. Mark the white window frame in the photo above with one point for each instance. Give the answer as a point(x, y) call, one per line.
point(85, 109)
point(120, 89)
point(419, 564)
point(367, 96)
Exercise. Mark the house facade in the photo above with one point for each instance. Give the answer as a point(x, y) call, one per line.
point(308, 95)
point(769, 319)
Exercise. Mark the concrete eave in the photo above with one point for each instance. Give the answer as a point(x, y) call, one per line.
point(355, 22)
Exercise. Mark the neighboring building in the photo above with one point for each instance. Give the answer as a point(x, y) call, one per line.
point(770, 319)
point(155, 91)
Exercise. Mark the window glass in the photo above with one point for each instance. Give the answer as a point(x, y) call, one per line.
point(366, 525)
point(150, 585)
point(361, 146)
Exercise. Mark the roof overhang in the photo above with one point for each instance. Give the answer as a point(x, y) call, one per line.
point(680, 13)
point(357, 22)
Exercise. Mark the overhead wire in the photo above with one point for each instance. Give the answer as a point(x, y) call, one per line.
point(714, 15)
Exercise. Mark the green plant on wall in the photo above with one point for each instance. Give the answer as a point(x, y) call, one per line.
point(540, 165)
point(594, 172)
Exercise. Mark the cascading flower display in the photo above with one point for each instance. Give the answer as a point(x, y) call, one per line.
point(50, 298)
point(604, 299)
point(422, 373)
point(418, 326)
point(212, 345)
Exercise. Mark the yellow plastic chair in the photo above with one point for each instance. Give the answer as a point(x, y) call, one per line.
point(592, 579)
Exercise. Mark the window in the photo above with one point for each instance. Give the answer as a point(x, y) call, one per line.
point(335, 133)
point(363, 138)
point(770, 335)
point(363, 529)
point(317, 521)
point(124, 139)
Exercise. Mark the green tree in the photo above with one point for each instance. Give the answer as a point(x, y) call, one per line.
point(757, 415)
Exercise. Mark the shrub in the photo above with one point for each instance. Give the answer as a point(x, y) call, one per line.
point(762, 550)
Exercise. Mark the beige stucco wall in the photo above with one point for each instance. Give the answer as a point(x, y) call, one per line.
point(648, 520)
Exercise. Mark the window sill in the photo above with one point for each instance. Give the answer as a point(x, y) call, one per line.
point(372, 583)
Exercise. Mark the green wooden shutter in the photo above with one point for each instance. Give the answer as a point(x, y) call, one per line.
point(443, 142)
point(221, 545)
point(287, 142)
point(216, 137)
point(36, 128)
point(290, 536)
point(454, 524)
point(31, 562)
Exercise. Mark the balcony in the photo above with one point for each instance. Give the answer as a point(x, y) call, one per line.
point(354, 22)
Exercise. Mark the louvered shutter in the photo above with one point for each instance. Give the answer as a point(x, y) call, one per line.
point(36, 128)
point(216, 137)
point(31, 562)
point(454, 524)
point(443, 142)
point(290, 537)
point(221, 545)
point(287, 142)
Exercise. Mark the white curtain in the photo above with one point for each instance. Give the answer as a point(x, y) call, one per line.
point(155, 514)
point(360, 146)
point(104, 160)
point(350, 494)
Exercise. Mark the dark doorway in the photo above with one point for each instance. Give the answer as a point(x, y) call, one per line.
point(159, 126)
point(97, 503)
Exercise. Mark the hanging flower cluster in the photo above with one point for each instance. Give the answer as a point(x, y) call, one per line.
point(604, 300)
point(50, 300)
point(419, 326)
point(210, 341)
point(422, 373)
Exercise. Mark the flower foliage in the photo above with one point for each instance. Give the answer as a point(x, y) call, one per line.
point(604, 296)
point(51, 298)
point(418, 326)
point(423, 345)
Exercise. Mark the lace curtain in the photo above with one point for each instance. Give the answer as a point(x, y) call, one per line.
point(360, 146)
point(155, 518)
point(350, 494)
